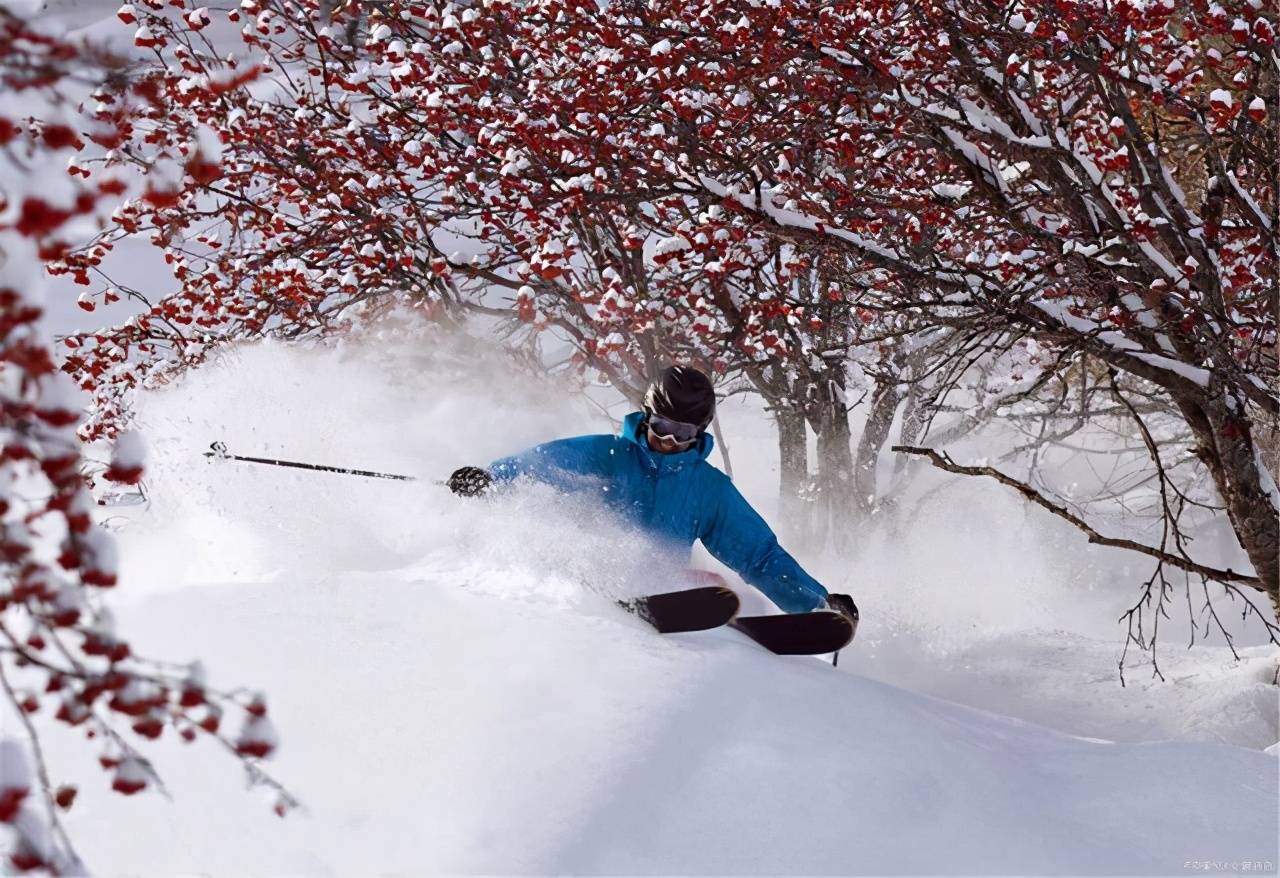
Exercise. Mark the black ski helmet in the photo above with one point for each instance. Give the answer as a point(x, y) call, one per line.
point(682, 393)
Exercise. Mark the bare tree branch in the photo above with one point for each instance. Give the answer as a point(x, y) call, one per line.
point(944, 462)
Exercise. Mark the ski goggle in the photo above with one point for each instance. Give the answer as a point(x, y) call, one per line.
point(675, 431)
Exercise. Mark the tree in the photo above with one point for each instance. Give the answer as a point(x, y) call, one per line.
point(61, 657)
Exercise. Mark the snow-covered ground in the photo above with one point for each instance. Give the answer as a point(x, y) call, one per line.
point(456, 692)
point(448, 721)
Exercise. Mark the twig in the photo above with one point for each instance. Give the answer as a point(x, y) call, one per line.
point(943, 462)
point(76, 864)
point(724, 446)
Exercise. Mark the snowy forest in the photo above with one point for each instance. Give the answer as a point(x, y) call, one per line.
point(988, 291)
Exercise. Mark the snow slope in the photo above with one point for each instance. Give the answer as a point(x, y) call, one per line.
point(457, 694)
point(445, 724)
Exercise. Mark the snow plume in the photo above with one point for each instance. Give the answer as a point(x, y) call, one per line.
point(419, 410)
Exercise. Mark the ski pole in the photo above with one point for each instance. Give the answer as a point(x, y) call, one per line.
point(219, 450)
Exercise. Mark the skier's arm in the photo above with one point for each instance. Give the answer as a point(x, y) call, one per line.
point(736, 535)
point(569, 464)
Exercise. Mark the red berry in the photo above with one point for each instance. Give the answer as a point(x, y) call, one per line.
point(65, 797)
point(10, 801)
point(259, 749)
point(25, 860)
point(128, 787)
point(149, 727)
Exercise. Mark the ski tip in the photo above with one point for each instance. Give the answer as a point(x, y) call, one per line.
point(695, 609)
point(816, 633)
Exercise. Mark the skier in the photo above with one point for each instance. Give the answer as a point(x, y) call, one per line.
point(656, 475)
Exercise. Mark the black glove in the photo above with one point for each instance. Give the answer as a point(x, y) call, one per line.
point(469, 481)
point(844, 605)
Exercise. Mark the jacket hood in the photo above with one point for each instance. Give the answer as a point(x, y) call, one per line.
point(700, 451)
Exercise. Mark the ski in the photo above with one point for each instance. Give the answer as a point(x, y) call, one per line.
point(700, 609)
point(695, 609)
point(798, 633)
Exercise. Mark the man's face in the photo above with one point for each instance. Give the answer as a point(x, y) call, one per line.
point(665, 444)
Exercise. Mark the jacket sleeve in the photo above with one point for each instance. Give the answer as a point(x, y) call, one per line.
point(569, 464)
point(738, 537)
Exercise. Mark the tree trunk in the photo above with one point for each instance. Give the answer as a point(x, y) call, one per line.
point(830, 419)
point(1226, 446)
point(884, 406)
point(793, 482)
point(914, 417)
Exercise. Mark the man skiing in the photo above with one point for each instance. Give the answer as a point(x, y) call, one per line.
point(656, 475)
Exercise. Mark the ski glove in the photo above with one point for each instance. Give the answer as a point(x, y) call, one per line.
point(844, 605)
point(469, 481)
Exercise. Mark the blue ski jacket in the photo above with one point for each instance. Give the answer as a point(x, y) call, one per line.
point(678, 498)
